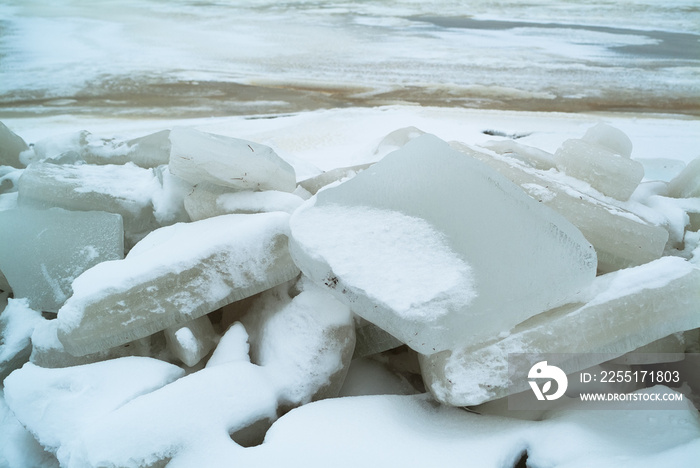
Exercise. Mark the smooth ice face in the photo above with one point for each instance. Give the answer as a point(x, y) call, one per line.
point(202, 157)
point(609, 173)
point(423, 243)
point(637, 306)
point(127, 190)
point(174, 275)
point(11, 145)
point(621, 238)
point(43, 251)
point(609, 137)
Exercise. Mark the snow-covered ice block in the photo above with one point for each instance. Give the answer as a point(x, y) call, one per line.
point(57, 404)
point(202, 157)
point(17, 322)
point(200, 410)
point(43, 251)
point(305, 342)
point(597, 159)
point(191, 341)
point(127, 190)
point(209, 200)
point(48, 351)
point(175, 274)
point(317, 182)
point(621, 238)
point(232, 347)
point(422, 243)
point(148, 151)
point(625, 310)
point(11, 145)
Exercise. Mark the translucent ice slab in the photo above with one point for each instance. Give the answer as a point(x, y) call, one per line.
point(621, 238)
point(202, 157)
point(208, 200)
point(424, 242)
point(11, 145)
point(43, 251)
point(174, 275)
point(627, 309)
point(127, 190)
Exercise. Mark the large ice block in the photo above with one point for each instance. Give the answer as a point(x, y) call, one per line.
point(305, 342)
point(43, 251)
point(621, 238)
point(601, 158)
point(625, 310)
point(174, 275)
point(127, 190)
point(11, 145)
point(202, 157)
point(424, 242)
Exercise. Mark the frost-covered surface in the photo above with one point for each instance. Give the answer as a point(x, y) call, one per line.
point(176, 274)
point(17, 322)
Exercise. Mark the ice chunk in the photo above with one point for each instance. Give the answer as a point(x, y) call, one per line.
point(317, 182)
point(621, 238)
point(43, 251)
point(635, 307)
point(609, 137)
point(610, 173)
point(202, 157)
point(174, 275)
point(169, 199)
point(687, 183)
point(48, 351)
point(191, 341)
point(127, 190)
point(208, 200)
point(17, 322)
point(370, 339)
point(11, 145)
point(148, 151)
point(199, 410)
point(305, 342)
point(418, 244)
point(57, 404)
point(397, 139)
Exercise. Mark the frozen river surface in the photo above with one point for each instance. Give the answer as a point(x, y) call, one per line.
point(153, 58)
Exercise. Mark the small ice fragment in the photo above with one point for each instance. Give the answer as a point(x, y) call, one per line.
point(530, 155)
point(596, 159)
point(233, 346)
point(627, 309)
point(397, 139)
point(422, 243)
point(174, 275)
point(202, 157)
point(313, 184)
point(191, 341)
point(43, 251)
point(687, 183)
point(11, 145)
